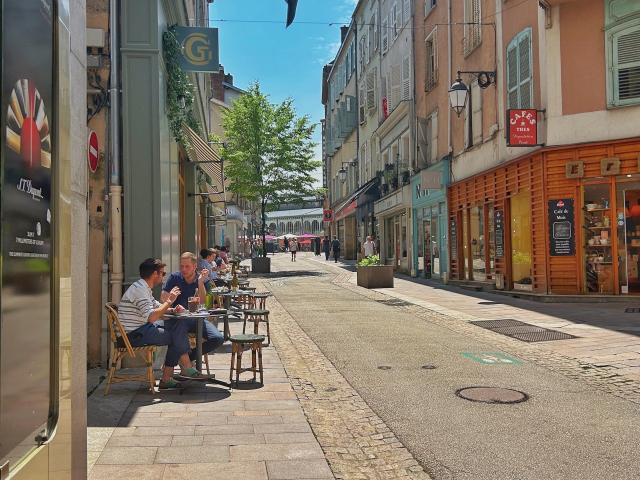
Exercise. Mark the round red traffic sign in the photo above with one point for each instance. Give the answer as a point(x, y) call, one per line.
point(92, 151)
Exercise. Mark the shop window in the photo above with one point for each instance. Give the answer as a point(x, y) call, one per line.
point(521, 244)
point(403, 229)
point(598, 240)
point(465, 245)
point(623, 56)
point(420, 254)
point(478, 243)
point(491, 245)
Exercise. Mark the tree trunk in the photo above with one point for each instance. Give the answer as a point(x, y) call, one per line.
point(264, 235)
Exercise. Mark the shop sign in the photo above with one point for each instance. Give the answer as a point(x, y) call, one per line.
point(327, 215)
point(453, 238)
point(499, 232)
point(388, 203)
point(233, 213)
point(522, 127)
point(429, 180)
point(199, 47)
point(561, 228)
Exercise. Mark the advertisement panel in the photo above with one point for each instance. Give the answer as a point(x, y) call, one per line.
point(562, 242)
point(28, 157)
point(522, 127)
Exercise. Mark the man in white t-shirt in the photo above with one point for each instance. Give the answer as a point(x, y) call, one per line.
point(369, 247)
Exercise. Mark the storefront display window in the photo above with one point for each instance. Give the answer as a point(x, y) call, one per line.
point(627, 218)
point(421, 249)
point(492, 242)
point(389, 240)
point(435, 250)
point(403, 229)
point(478, 243)
point(598, 242)
point(468, 275)
point(521, 245)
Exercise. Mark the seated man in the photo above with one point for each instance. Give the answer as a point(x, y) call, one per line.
point(140, 315)
point(191, 284)
point(205, 261)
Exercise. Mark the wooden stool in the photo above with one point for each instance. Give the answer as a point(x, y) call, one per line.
point(260, 300)
point(238, 343)
point(256, 316)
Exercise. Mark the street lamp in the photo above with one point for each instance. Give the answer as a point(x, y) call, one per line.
point(342, 173)
point(459, 92)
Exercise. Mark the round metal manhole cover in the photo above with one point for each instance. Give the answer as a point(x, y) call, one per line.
point(492, 395)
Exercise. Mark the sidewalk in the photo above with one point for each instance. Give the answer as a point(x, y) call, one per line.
point(254, 432)
point(607, 336)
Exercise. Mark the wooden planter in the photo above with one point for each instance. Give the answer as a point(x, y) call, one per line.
point(261, 265)
point(376, 276)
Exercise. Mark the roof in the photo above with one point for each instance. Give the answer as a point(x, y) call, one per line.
point(301, 212)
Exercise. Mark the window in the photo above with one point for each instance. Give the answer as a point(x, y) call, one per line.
point(624, 65)
point(406, 78)
point(406, 11)
point(428, 6)
point(371, 90)
point(362, 103)
point(394, 20)
point(519, 74)
point(385, 35)
point(427, 140)
point(373, 34)
point(431, 75)
point(472, 28)
point(396, 86)
point(365, 47)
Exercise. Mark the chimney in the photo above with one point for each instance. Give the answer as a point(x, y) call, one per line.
point(228, 79)
point(343, 32)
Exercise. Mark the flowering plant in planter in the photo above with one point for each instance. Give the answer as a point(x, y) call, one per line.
point(369, 261)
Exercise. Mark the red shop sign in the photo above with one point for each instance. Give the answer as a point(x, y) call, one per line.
point(522, 127)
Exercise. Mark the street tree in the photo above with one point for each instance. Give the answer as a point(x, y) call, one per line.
point(268, 153)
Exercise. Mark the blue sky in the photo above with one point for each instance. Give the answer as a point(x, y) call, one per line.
point(286, 62)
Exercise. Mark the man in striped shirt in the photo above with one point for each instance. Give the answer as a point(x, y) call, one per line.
point(140, 315)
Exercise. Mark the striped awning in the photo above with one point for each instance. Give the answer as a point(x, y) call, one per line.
point(206, 157)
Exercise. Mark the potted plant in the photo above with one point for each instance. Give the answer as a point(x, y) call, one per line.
point(371, 274)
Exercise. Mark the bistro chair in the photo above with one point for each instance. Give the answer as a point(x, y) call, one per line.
point(121, 347)
point(257, 316)
point(238, 344)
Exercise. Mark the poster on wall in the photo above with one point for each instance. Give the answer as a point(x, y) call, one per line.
point(453, 239)
point(28, 157)
point(561, 228)
point(499, 233)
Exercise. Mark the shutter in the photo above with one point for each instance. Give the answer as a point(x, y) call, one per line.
point(361, 104)
point(524, 71)
point(385, 35)
point(374, 32)
point(512, 76)
point(406, 11)
point(626, 64)
point(467, 116)
point(394, 19)
point(423, 143)
point(365, 46)
point(371, 93)
point(396, 86)
point(434, 137)
point(476, 95)
point(406, 78)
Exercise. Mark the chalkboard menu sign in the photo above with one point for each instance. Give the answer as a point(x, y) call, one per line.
point(453, 239)
point(561, 228)
point(499, 232)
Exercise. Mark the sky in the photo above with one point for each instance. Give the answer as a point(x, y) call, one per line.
point(287, 62)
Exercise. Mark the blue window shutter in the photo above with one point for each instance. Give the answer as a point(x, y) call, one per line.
point(626, 65)
point(520, 71)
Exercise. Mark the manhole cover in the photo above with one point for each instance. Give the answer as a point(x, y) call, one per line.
point(522, 331)
point(384, 367)
point(429, 367)
point(492, 395)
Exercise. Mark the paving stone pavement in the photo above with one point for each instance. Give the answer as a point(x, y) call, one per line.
point(253, 432)
point(597, 358)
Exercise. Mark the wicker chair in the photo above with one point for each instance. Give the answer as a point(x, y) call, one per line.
point(122, 347)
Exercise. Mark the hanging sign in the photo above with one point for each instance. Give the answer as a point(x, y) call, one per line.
point(453, 238)
point(327, 215)
point(199, 49)
point(92, 151)
point(499, 233)
point(522, 127)
point(561, 228)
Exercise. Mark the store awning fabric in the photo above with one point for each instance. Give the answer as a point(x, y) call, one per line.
point(348, 207)
point(205, 156)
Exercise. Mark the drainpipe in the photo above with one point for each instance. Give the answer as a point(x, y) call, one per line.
point(115, 188)
point(450, 56)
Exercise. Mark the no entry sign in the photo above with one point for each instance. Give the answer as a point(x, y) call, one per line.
point(92, 151)
point(522, 127)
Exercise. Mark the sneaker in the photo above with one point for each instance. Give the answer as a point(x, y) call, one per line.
point(192, 374)
point(170, 384)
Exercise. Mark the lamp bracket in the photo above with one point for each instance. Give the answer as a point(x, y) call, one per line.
point(484, 77)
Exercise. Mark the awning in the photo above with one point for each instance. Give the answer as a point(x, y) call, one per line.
point(206, 157)
point(349, 207)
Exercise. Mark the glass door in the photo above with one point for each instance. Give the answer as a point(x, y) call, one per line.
point(426, 246)
point(628, 228)
point(598, 239)
point(435, 250)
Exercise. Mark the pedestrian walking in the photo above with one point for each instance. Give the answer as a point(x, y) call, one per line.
point(293, 248)
point(335, 246)
point(369, 247)
point(286, 244)
point(326, 247)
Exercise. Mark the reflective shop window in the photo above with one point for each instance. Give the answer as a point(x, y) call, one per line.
point(521, 243)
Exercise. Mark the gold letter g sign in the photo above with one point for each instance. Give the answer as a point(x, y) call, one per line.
point(196, 49)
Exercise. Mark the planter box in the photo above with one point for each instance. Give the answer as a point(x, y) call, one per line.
point(261, 265)
point(378, 276)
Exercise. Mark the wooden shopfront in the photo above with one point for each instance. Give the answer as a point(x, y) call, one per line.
point(560, 221)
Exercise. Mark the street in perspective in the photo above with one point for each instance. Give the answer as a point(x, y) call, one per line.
point(309, 240)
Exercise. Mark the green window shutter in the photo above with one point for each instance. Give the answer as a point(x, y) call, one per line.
point(512, 75)
point(626, 65)
point(524, 64)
